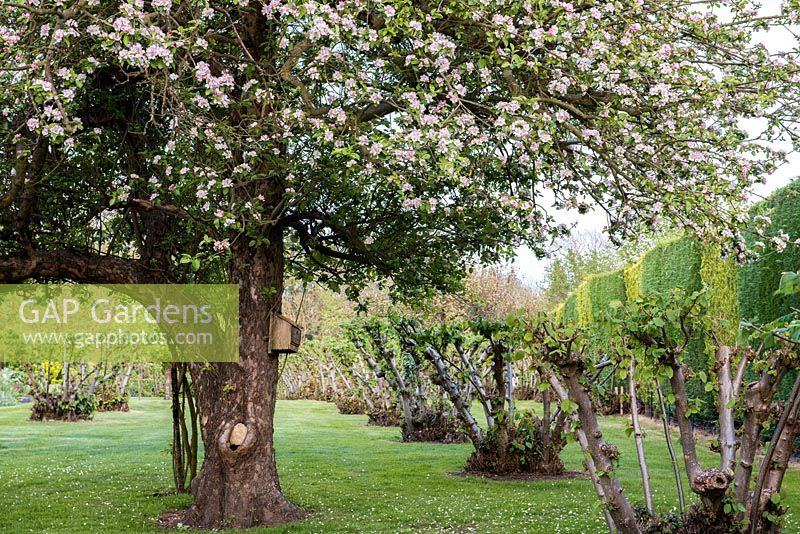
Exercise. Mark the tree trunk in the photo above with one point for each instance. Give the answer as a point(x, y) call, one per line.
point(602, 453)
point(673, 458)
point(727, 430)
point(167, 382)
point(600, 486)
point(443, 379)
point(773, 479)
point(403, 392)
point(178, 472)
point(546, 426)
point(510, 389)
point(238, 485)
point(775, 461)
point(123, 380)
point(709, 484)
point(639, 436)
point(757, 404)
point(502, 421)
point(474, 380)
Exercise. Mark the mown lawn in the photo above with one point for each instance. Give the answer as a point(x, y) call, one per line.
point(106, 476)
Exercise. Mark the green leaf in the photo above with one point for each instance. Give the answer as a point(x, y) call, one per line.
point(568, 406)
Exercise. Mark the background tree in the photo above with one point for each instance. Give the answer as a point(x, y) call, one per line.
point(356, 141)
point(474, 362)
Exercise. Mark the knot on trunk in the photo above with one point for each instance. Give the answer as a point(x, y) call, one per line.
point(569, 363)
point(711, 482)
point(610, 451)
point(236, 439)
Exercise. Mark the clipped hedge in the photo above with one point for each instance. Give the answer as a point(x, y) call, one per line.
point(758, 280)
point(670, 264)
point(632, 275)
point(680, 262)
point(569, 313)
point(747, 291)
point(686, 263)
point(683, 262)
point(596, 293)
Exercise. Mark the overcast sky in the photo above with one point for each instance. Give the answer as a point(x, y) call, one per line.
point(532, 270)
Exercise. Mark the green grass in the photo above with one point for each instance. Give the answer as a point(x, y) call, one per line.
point(101, 476)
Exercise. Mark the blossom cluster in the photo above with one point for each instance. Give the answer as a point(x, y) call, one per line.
point(492, 116)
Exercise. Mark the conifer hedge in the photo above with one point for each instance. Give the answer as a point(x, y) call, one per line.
point(595, 294)
point(758, 280)
point(735, 292)
point(746, 291)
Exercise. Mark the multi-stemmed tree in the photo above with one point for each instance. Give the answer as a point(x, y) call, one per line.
point(201, 140)
point(650, 338)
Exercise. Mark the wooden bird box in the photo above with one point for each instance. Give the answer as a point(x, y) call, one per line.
point(284, 335)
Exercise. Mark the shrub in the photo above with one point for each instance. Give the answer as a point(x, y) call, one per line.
point(384, 417)
point(11, 387)
point(51, 407)
point(108, 400)
point(759, 279)
point(350, 405)
point(435, 426)
point(523, 453)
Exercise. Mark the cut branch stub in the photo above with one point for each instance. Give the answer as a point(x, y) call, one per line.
point(236, 440)
point(711, 482)
point(609, 450)
point(238, 435)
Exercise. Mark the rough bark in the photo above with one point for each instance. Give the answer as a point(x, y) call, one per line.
point(238, 484)
point(81, 268)
point(773, 465)
point(710, 484)
point(443, 379)
point(599, 487)
point(502, 421)
point(773, 479)
point(603, 454)
point(757, 404)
